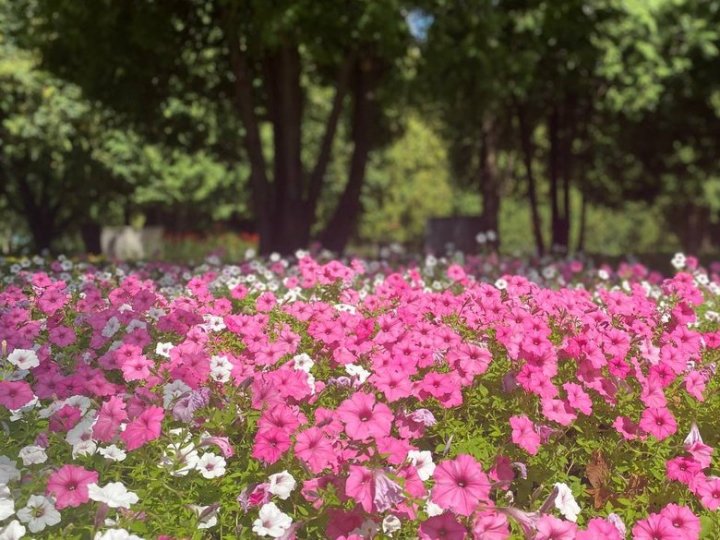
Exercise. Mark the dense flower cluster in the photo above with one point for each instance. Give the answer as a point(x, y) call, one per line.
point(481, 399)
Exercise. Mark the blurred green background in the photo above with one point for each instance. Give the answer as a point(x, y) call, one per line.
point(576, 125)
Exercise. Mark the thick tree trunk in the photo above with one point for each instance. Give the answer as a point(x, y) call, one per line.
point(291, 228)
point(39, 217)
point(343, 223)
point(528, 157)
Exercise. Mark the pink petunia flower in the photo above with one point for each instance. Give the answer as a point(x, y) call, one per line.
point(460, 485)
point(69, 484)
point(270, 445)
point(626, 427)
point(558, 411)
point(442, 527)
point(709, 493)
point(599, 528)
point(524, 434)
point(359, 486)
point(111, 415)
point(655, 527)
point(686, 524)
point(658, 422)
point(65, 418)
point(683, 469)
point(364, 418)
point(15, 394)
point(315, 450)
point(490, 525)
point(552, 528)
point(144, 428)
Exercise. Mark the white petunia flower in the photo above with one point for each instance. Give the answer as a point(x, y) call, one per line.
point(367, 529)
point(24, 358)
point(8, 470)
point(271, 521)
point(80, 437)
point(12, 531)
point(39, 512)
point(114, 494)
point(220, 368)
point(163, 349)
point(423, 463)
point(432, 509)
point(113, 453)
point(7, 504)
point(116, 534)
point(180, 460)
point(32, 455)
point(678, 261)
point(111, 327)
point(211, 465)
point(207, 518)
point(565, 502)
point(173, 391)
point(281, 484)
point(303, 362)
point(391, 524)
point(359, 372)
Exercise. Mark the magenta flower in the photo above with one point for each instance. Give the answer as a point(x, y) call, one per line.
point(686, 524)
point(491, 525)
point(655, 527)
point(15, 394)
point(709, 493)
point(69, 484)
point(363, 418)
point(599, 528)
point(658, 422)
point(442, 527)
point(460, 485)
point(144, 428)
point(315, 450)
point(683, 469)
point(360, 486)
point(552, 528)
point(270, 445)
point(111, 415)
point(558, 410)
point(136, 368)
point(524, 434)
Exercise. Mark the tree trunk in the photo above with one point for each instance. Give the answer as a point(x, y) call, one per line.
point(291, 228)
point(343, 223)
point(317, 176)
point(40, 218)
point(489, 179)
point(569, 131)
point(528, 156)
point(245, 103)
point(583, 225)
point(553, 174)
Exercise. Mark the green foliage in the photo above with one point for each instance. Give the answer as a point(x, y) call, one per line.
point(407, 184)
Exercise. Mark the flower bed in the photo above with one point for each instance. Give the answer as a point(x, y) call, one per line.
point(352, 401)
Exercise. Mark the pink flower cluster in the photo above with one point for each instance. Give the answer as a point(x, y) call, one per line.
point(349, 379)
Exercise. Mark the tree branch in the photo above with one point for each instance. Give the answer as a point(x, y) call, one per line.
point(323, 158)
point(245, 102)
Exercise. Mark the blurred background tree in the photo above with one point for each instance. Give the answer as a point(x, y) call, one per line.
point(586, 125)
